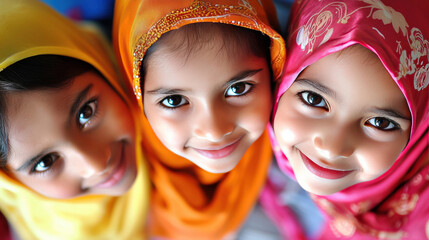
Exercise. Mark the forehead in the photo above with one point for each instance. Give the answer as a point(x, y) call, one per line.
point(210, 65)
point(202, 36)
point(215, 48)
point(353, 65)
point(355, 71)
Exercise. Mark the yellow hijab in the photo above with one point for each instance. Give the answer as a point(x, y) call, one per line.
point(29, 28)
point(186, 201)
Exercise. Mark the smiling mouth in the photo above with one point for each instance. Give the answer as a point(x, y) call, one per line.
point(117, 172)
point(219, 153)
point(321, 171)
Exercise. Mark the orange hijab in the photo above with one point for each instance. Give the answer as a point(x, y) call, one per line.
point(188, 202)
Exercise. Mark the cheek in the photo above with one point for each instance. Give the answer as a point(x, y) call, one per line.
point(254, 118)
point(377, 158)
point(254, 121)
point(120, 117)
point(290, 127)
point(125, 123)
point(171, 131)
point(171, 136)
point(57, 188)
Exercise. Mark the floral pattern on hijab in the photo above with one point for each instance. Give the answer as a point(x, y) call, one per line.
point(394, 204)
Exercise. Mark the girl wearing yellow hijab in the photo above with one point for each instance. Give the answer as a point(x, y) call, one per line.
point(71, 167)
point(201, 71)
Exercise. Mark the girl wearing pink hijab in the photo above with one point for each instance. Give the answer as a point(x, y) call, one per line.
point(351, 116)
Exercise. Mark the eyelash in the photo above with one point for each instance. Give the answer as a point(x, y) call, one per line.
point(91, 118)
point(396, 126)
point(307, 103)
point(248, 88)
point(54, 159)
point(160, 103)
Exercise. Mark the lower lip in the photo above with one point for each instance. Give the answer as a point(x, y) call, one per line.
point(117, 175)
point(221, 153)
point(321, 171)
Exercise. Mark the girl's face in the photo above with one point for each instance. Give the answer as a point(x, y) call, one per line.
point(208, 106)
point(72, 141)
point(343, 121)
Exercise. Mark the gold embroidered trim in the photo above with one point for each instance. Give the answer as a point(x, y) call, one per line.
point(198, 11)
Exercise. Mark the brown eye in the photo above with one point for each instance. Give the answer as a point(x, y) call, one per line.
point(45, 163)
point(86, 113)
point(382, 123)
point(238, 89)
point(313, 99)
point(173, 101)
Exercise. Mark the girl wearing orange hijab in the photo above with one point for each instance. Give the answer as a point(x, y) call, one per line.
point(203, 78)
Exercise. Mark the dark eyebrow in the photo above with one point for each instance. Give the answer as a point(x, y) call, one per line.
point(166, 91)
point(242, 75)
point(29, 162)
point(172, 91)
point(391, 113)
point(317, 86)
point(78, 101)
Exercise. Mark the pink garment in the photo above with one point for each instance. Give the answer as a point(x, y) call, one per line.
point(4, 229)
point(396, 204)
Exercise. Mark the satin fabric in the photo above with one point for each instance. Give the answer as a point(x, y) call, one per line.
point(30, 28)
point(394, 205)
point(188, 202)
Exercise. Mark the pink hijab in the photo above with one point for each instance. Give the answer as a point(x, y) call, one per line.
point(395, 205)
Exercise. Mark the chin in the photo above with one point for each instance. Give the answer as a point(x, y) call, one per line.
point(218, 168)
point(318, 188)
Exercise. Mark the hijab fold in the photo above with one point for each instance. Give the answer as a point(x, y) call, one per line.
point(30, 28)
point(188, 202)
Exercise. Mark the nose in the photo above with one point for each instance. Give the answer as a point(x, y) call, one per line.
point(336, 141)
point(213, 124)
point(90, 159)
